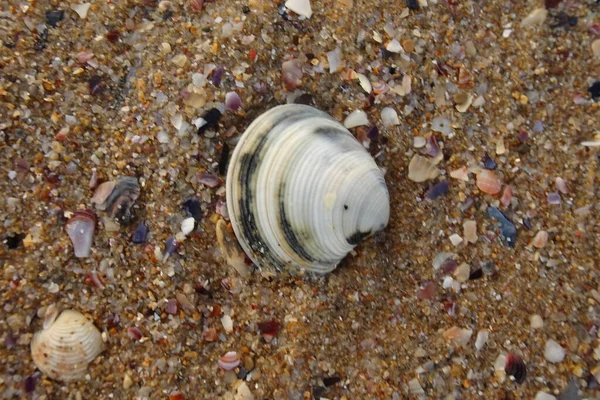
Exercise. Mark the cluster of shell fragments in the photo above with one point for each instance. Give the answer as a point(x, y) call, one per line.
point(302, 191)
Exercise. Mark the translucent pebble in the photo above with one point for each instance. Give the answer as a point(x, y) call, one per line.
point(187, 225)
point(482, 338)
point(536, 322)
point(554, 352)
point(442, 124)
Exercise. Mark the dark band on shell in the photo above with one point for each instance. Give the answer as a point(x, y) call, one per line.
point(302, 191)
point(120, 202)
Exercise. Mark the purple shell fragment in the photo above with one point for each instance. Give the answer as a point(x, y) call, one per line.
point(217, 75)
point(437, 190)
point(141, 233)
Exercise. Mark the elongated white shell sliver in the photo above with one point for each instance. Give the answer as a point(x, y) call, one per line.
point(302, 191)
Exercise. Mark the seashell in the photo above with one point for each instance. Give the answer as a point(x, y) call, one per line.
point(380, 87)
point(229, 361)
point(302, 191)
point(291, 74)
point(102, 192)
point(121, 199)
point(80, 229)
point(515, 367)
point(421, 169)
point(561, 185)
point(460, 174)
point(507, 195)
point(389, 117)
point(540, 239)
point(488, 182)
point(458, 336)
point(364, 83)
point(64, 349)
point(356, 118)
point(233, 101)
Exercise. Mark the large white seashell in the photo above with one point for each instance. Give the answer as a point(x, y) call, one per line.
point(302, 191)
point(64, 349)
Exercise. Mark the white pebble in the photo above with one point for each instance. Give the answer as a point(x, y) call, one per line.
point(12, 175)
point(544, 396)
point(227, 323)
point(482, 338)
point(187, 225)
point(448, 281)
point(81, 9)
point(536, 321)
point(455, 239)
point(419, 142)
point(554, 352)
point(394, 47)
point(300, 7)
point(536, 17)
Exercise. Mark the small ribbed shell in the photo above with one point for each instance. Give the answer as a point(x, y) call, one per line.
point(302, 191)
point(65, 348)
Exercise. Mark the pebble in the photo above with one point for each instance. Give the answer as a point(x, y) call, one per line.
point(594, 90)
point(536, 17)
point(127, 382)
point(455, 239)
point(470, 231)
point(554, 352)
point(540, 239)
point(458, 335)
point(544, 396)
point(482, 338)
point(536, 322)
point(462, 273)
point(421, 169)
point(187, 225)
point(227, 323)
point(488, 182)
point(419, 142)
point(300, 7)
point(596, 48)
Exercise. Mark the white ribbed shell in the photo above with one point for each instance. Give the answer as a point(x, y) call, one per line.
point(64, 350)
point(302, 191)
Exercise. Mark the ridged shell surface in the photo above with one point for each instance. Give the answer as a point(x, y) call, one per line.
point(302, 191)
point(65, 348)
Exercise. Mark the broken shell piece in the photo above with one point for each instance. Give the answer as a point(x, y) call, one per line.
point(81, 9)
point(64, 350)
point(229, 361)
point(291, 72)
point(463, 101)
point(364, 83)
point(80, 229)
point(187, 225)
point(394, 46)
point(507, 195)
point(421, 169)
point(540, 239)
point(536, 17)
point(389, 117)
point(120, 202)
point(300, 7)
point(356, 118)
point(302, 191)
point(488, 182)
point(231, 250)
point(460, 174)
point(457, 335)
point(102, 192)
point(470, 231)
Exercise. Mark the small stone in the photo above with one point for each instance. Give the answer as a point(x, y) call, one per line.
point(595, 90)
point(421, 169)
point(455, 239)
point(596, 48)
point(457, 335)
point(187, 225)
point(470, 231)
point(419, 142)
point(460, 174)
point(462, 273)
point(127, 382)
point(53, 17)
point(81, 9)
point(180, 60)
point(482, 338)
point(227, 323)
point(536, 17)
point(536, 322)
point(554, 352)
point(413, 4)
point(394, 46)
point(540, 239)
point(544, 396)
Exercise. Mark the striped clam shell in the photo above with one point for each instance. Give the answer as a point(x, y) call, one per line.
point(64, 349)
point(302, 191)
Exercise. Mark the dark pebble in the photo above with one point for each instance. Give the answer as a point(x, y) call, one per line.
point(373, 132)
point(489, 163)
point(15, 240)
point(192, 208)
point(268, 327)
point(476, 274)
point(242, 373)
point(171, 246)
point(573, 21)
point(246, 10)
point(211, 117)
point(95, 84)
point(167, 15)
point(41, 40)
point(509, 230)
point(224, 159)
point(53, 17)
point(113, 36)
point(306, 99)
point(527, 223)
point(552, 3)
point(318, 392)
point(571, 392)
point(595, 90)
point(141, 233)
point(437, 190)
point(515, 367)
point(29, 383)
point(217, 76)
point(413, 4)
point(488, 268)
point(332, 380)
